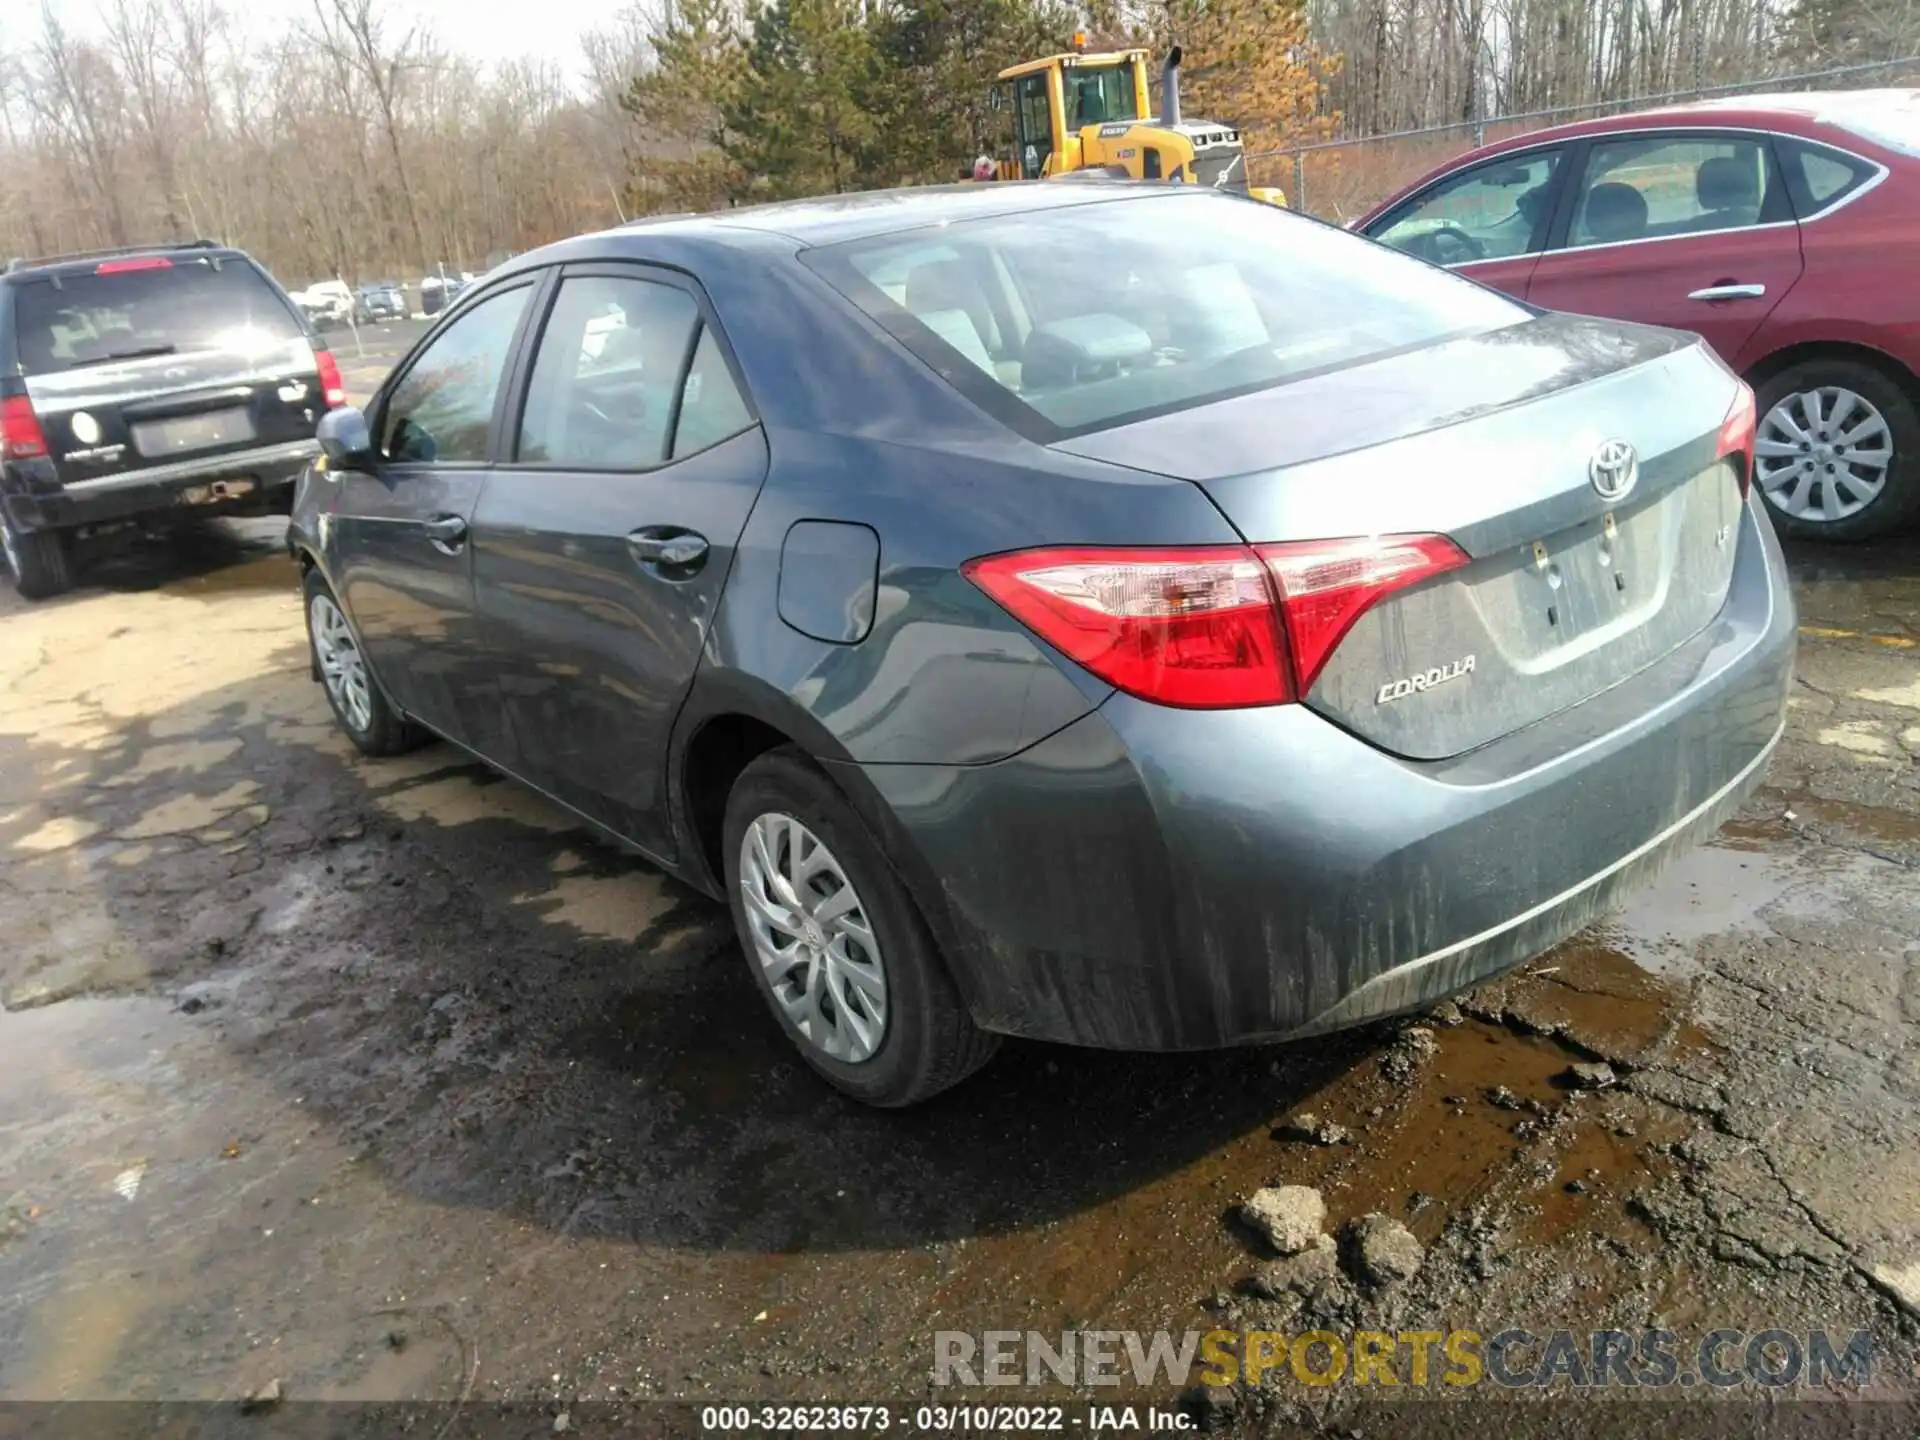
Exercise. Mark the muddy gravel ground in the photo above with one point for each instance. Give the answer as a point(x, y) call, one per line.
point(384, 1081)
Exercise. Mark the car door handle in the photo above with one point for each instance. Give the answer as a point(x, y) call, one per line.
point(1729, 292)
point(447, 533)
point(666, 546)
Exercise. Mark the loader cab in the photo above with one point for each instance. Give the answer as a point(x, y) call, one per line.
point(1051, 100)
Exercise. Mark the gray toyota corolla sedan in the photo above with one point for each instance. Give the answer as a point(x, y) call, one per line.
point(1126, 616)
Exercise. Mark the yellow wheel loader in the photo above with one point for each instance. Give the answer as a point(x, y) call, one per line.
point(1078, 113)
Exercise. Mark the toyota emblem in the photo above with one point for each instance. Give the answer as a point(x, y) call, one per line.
point(1613, 469)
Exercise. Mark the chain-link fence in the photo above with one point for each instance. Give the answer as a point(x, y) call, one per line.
point(1339, 179)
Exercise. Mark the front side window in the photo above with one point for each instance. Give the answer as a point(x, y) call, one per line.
point(1077, 318)
point(607, 375)
point(1491, 212)
point(1100, 95)
point(443, 408)
point(1656, 187)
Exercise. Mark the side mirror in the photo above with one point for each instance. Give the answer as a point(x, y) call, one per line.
point(345, 439)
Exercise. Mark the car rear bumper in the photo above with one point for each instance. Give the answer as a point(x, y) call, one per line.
point(185, 485)
point(1148, 878)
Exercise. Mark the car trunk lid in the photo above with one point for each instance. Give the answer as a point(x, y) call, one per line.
point(1495, 443)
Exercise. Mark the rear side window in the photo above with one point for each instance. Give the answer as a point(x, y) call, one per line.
point(711, 406)
point(442, 409)
point(1075, 319)
point(1668, 185)
point(609, 371)
point(1818, 177)
point(126, 310)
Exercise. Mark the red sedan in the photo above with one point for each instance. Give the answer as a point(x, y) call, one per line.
point(1784, 228)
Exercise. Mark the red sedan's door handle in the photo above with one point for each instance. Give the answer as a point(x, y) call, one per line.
point(447, 533)
point(1727, 290)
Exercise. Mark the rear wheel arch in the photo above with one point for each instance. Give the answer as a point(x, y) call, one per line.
point(1785, 358)
point(729, 721)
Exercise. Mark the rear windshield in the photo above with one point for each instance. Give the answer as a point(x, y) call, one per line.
point(1084, 317)
point(93, 318)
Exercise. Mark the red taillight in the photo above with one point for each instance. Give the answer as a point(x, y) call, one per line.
point(1208, 627)
point(121, 267)
point(1193, 627)
point(1326, 585)
point(331, 384)
point(20, 435)
point(1737, 434)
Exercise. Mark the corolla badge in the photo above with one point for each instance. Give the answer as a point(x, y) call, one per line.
point(1419, 684)
point(1613, 469)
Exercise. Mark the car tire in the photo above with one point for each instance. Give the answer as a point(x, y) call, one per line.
point(1796, 486)
point(926, 1041)
point(41, 561)
point(353, 692)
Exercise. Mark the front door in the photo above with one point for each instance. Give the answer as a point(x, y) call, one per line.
point(1032, 124)
point(1488, 222)
point(601, 548)
point(402, 557)
point(1686, 229)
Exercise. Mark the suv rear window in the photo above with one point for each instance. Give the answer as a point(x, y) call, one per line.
point(1063, 321)
point(112, 314)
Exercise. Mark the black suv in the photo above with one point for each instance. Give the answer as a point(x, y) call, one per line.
point(144, 385)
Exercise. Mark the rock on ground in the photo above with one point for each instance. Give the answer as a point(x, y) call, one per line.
point(1382, 1251)
point(1287, 1217)
point(1900, 1284)
point(1310, 1129)
point(1297, 1273)
point(1412, 1048)
point(1596, 1076)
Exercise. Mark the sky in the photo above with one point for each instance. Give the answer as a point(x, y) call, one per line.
point(490, 30)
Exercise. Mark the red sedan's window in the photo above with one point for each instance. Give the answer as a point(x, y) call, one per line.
point(1490, 212)
point(1650, 188)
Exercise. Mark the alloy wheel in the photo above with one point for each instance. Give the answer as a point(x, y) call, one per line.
point(342, 667)
point(812, 939)
point(1823, 455)
point(9, 546)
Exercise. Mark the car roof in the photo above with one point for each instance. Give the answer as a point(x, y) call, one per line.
point(827, 220)
point(85, 261)
point(1800, 112)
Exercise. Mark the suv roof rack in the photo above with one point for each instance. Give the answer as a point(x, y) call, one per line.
point(22, 262)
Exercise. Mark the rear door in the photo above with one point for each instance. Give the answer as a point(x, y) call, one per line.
point(402, 558)
point(1681, 228)
point(601, 549)
point(1489, 221)
point(149, 361)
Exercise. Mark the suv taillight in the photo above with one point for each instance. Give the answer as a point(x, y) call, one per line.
point(1207, 627)
point(1737, 434)
point(20, 434)
point(331, 384)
